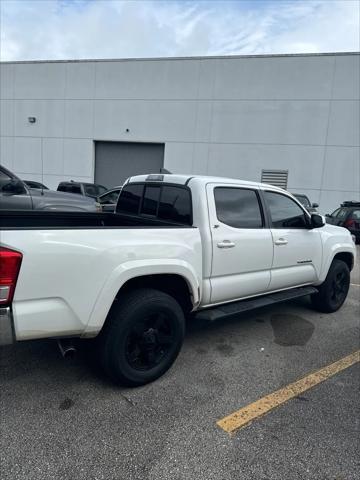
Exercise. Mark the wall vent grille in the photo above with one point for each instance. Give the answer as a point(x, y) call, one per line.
point(278, 178)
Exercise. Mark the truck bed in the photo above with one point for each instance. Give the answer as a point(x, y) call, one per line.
point(19, 219)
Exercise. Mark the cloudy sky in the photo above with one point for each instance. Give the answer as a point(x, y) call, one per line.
point(74, 29)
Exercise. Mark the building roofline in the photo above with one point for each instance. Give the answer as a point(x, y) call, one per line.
point(196, 58)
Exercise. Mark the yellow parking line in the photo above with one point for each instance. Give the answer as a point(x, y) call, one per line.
point(247, 414)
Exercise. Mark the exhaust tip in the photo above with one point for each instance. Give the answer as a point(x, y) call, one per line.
point(67, 348)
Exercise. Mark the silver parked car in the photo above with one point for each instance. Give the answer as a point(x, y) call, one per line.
point(16, 195)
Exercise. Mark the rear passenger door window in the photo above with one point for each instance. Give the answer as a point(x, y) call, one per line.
point(284, 212)
point(238, 208)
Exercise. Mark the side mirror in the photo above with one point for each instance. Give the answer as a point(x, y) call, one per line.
point(315, 205)
point(14, 187)
point(328, 215)
point(317, 221)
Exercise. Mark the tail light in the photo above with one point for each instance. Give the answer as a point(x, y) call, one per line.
point(349, 223)
point(10, 262)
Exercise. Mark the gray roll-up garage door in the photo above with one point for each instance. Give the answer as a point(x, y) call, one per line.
point(116, 161)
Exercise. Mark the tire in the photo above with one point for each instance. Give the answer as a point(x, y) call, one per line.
point(142, 337)
point(333, 292)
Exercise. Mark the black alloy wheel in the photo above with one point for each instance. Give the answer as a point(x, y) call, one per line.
point(142, 336)
point(149, 341)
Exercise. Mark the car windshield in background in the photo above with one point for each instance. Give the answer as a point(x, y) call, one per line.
point(339, 213)
point(69, 188)
point(303, 200)
point(94, 190)
point(110, 197)
point(38, 185)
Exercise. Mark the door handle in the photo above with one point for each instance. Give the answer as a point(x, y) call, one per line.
point(226, 244)
point(281, 241)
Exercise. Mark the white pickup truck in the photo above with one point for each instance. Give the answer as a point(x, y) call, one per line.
point(177, 246)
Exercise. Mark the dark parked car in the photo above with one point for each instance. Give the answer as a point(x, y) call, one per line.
point(304, 200)
point(348, 216)
point(16, 195)
point(92, 190)
point(108, 200)
point(33, 184)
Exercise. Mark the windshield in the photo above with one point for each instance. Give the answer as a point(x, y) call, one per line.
point(110, 197)
point(94, 190)
point(339, 213)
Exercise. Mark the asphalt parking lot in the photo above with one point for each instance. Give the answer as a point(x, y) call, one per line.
point(62, 419)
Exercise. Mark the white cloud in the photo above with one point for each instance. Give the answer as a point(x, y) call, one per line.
point(61, 29)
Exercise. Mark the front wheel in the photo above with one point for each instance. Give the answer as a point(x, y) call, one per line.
point(142, 337)
point(334, 290)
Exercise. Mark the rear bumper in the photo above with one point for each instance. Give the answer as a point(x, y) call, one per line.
point(7, 333)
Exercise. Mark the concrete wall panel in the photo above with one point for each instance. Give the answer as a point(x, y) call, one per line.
point(285, 122)
point(27, 156)
point(79, 118)
point(206, 83)
point(147, 80)
point(52, 153)
point(341, 170)
point(200, 159)
point(179, 157)
point(39, 80)
point(301, 78)
point(78, 158)
point(6, 117)
point(203, 120)
point(7, 152)
point(49, 116)
point(156, 121)
point(344, 125)
point(80, 80)
point(346, 79)
point(247, 161)
point(6, 80)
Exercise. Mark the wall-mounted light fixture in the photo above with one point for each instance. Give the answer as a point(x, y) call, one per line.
point(32, 119)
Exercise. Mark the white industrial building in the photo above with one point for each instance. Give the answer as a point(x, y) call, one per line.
point(243, 116)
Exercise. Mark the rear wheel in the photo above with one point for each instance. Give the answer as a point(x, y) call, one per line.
point(142, 337)
point(334, 290)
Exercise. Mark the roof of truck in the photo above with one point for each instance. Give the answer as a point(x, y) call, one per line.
point(202, 179)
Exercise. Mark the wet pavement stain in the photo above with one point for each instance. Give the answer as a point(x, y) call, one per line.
point(225, 349)
point(291, 330)
point(66, 404)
